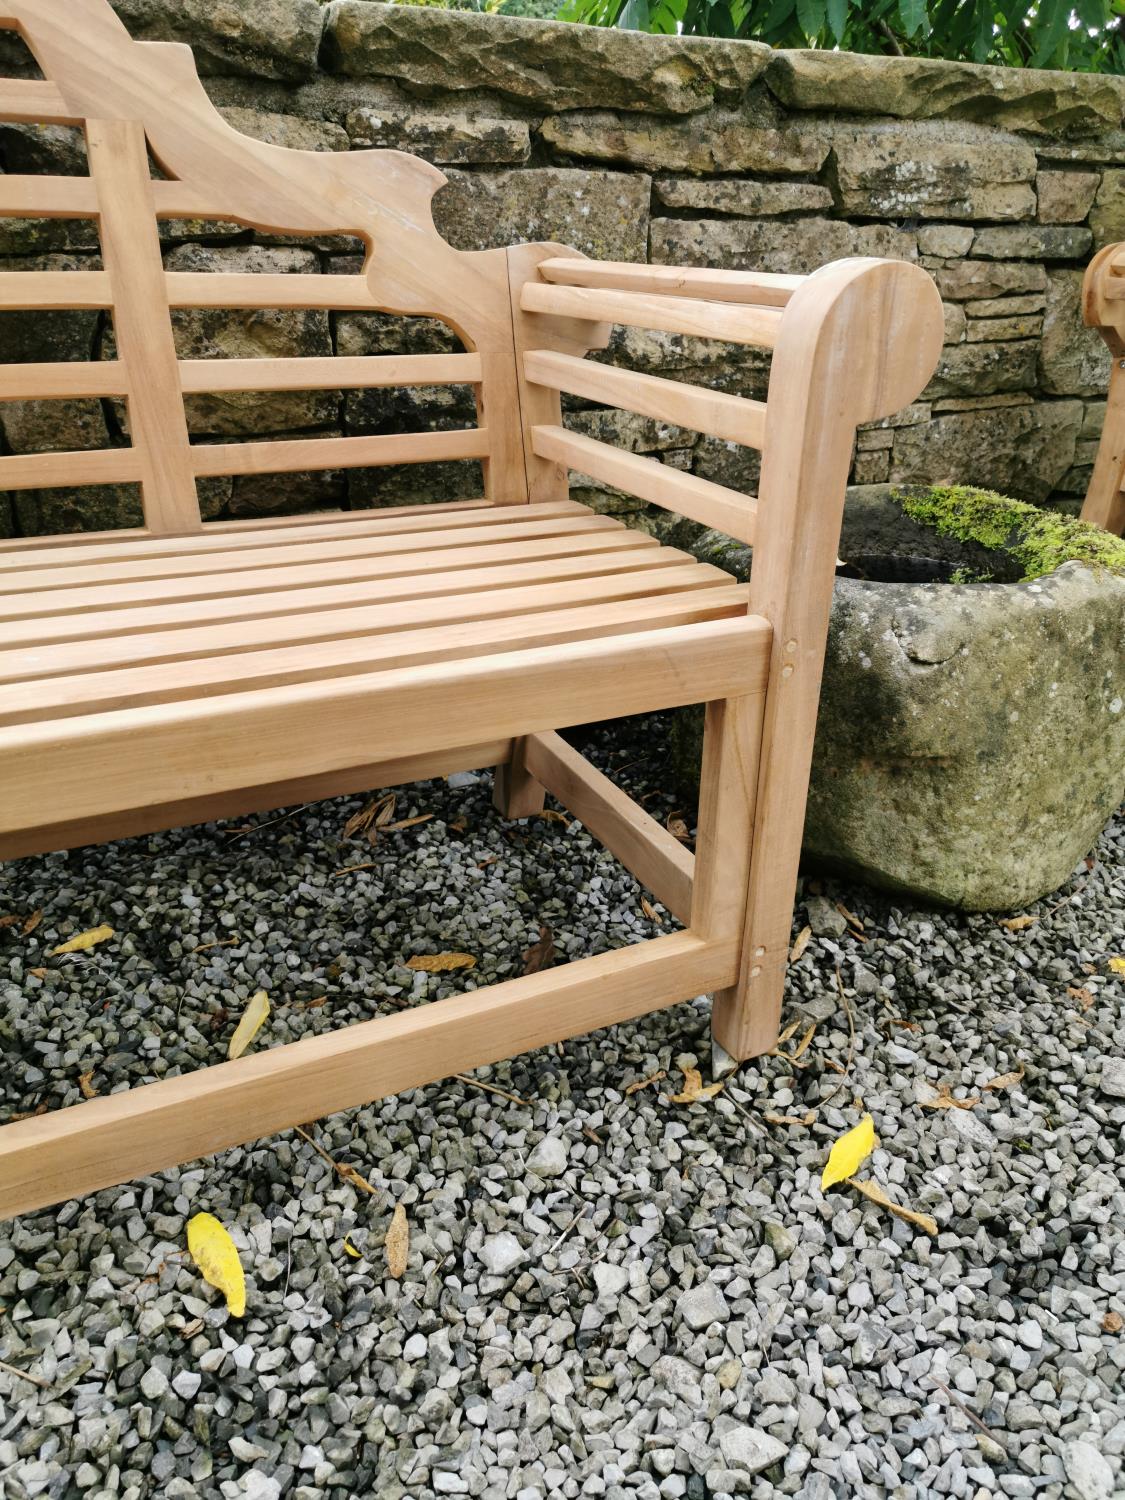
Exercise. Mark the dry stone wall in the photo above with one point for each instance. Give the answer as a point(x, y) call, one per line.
point(628, 147)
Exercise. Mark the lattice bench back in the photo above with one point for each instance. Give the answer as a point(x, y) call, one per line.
point(136, 98)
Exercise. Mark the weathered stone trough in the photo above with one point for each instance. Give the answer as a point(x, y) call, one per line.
point(971, 741)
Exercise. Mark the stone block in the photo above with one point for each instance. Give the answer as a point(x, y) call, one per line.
point(252, 333)
point(1107, 217)
point(54, 426)
point(58, 150)
point(955, 322)
point(1005, 307)
point(745, 199)
point(720, 141)
point(731, 464)
point(1021, 450)
point(1065, 197)
point(930, 170)
point(1032, 242)
point(101, 507)
point(987, 330)
point(547, 64)
point(797, 246)
point(383, 333)
point(441, 138)
point(288, 494)
point(1040, 102)
point(262, 38)
point(414, 484)
point(603, 214)
point(871, 467)
point(947, 240)
point(293, 131)
point(985, 369)
point(1073, 360)
point(974, 280)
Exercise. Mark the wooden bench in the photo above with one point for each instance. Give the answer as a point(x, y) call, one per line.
point(183, 671)
point(1103, 308)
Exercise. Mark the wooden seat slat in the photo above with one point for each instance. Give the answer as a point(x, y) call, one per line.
point(29, 663)
point(447, 563)
point(354, 548)
point(237, 607)
point(166, 751)
point(221, 536)
point(103, 691)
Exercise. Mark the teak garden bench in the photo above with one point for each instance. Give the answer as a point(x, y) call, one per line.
point(1103, 308)
point(186, 671)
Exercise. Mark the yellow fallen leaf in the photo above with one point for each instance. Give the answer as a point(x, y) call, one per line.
point(356, 1178)
point(803, 1043)
point(1117, 965)
point(873, 1191)
point(800, 943)
point(397, 1243)
point(407, 823)
point(551, 816)
point(651, 912)
point(943, 1099)
point(1017, 924)
point(253, 1019)
point(441, 963)
point(32, 922)
point(643, 1083)
point(83, 941)
point(695, 1090)
point(86, 1084)
point(350, 1249)
point(853, 1147)
point(1004, 1080)
point(214, 1252)
point(805, 1119)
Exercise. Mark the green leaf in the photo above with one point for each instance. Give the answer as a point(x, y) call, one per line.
point(810, 13)
point(634, 16)
point(912, 14)
point(1052, 24)
point(838, 18)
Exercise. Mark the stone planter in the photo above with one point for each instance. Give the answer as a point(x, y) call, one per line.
point(971, 741)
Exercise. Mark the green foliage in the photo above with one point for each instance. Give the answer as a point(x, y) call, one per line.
point(538, 10)
point(1082, 35)
point(1038, 540)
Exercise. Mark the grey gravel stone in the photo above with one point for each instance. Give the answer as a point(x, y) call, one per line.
point(1090, 1475)
point(751, 1449)
point(501, 1253)
point(549, 1158)
point(824, 919)
point(679, 1303)
point(703, 1305)
point(1113, 1077)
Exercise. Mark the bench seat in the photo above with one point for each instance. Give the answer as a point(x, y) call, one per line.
point(112, 647)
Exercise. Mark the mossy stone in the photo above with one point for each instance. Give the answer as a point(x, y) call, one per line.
point(971, 738)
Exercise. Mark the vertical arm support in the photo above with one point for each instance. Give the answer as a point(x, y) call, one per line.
point(131, 253)
point(1105, 498)
point(858, 341)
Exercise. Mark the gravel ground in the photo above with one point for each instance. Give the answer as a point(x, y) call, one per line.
point(608, 1293)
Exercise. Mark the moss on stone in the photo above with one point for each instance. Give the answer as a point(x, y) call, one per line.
point(1039, 541)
